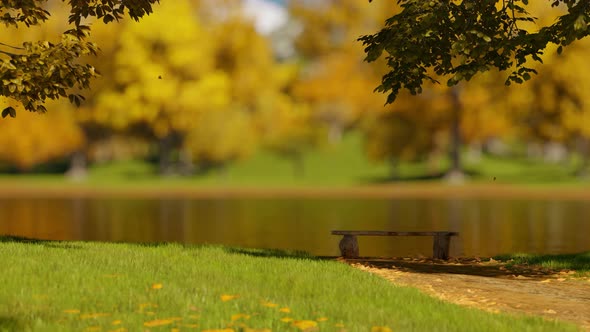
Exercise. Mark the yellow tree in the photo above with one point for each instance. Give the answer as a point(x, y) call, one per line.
point(165, 78)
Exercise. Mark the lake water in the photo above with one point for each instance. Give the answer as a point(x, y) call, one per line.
point(486, 227)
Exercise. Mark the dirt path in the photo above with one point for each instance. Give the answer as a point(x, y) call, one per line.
point(492, 286)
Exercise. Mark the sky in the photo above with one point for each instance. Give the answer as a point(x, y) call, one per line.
point(268, 14)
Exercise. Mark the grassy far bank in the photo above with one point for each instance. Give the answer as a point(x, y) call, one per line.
point(342, 165)
point(580, 263)
point(69, 286)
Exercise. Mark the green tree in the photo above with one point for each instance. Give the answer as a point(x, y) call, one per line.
point(36, 70)
point(455, 40)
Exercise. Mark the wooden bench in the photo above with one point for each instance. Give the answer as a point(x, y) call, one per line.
point(349, 247)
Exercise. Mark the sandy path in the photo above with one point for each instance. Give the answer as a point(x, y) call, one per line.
point(491, 286)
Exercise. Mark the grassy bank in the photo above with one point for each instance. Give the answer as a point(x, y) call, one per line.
point(580, 263)
point(69, 286)
point(339, 165)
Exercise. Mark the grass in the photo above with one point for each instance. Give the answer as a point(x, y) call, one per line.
point(580, 263)
point(85, 286)
point(341, 165)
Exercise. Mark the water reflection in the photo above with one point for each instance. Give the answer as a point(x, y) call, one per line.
point(487, 227)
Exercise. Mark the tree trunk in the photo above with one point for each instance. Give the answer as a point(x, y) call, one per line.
point(584, 150)
point(165, 156)
point(455, 173)
point(78, 166)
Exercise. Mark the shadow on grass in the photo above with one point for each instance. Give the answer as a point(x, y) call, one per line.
point(274, 253)
point(45, 243)
point(465, 266)
point(10, 324)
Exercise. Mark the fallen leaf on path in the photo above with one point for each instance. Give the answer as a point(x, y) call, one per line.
point(560, 279)
point(546, 280)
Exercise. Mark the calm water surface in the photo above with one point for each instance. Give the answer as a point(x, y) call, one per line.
point(486, 227)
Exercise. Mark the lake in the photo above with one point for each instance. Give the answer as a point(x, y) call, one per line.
point(486, 226)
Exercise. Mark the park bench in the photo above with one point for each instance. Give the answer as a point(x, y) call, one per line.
point(349, 247)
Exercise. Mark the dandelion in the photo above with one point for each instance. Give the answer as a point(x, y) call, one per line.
point(157, 286)
point(239, 316)
point(286, 310)
point(226, 297)
point(269, 304)
point(380, 329)
point(71, 311)
point(95, 315)
point(159, 322)
point(305, 324)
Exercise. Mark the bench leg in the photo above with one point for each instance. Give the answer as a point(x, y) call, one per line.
point(440, 249)
point(349, 247)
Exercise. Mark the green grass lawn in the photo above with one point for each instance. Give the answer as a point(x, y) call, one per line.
point(84, 286)
point(341, 165)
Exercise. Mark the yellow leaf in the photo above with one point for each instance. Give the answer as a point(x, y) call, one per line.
point(380, 329)
point(116, 322)
point(96, 315)
point(72, 311)
point(157, 286)
point(322, 319)
point(304, 324)
point(239, 316)
point(226, 297)
point(285, 310)
point(286, 319)
point(189, 325)
point(159, 322)
point(269, 304)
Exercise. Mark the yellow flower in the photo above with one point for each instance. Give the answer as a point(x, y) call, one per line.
point(304, 324)
point(285, 310)
point(219, 330)
point(380, 329)
point(322, 319)
point(96, 315)
point(239, 316)
point(247, 329)
point(226, 297)
point(157, 286)
point(159, 322)
point(72, 311)
point(269, 304)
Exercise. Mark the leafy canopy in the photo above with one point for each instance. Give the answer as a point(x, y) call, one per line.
point(36, 71)
point(456, 39)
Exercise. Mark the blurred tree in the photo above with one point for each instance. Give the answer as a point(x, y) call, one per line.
point(161, 91)
point(335, 81)
point(32, 139)
point(35, 71)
